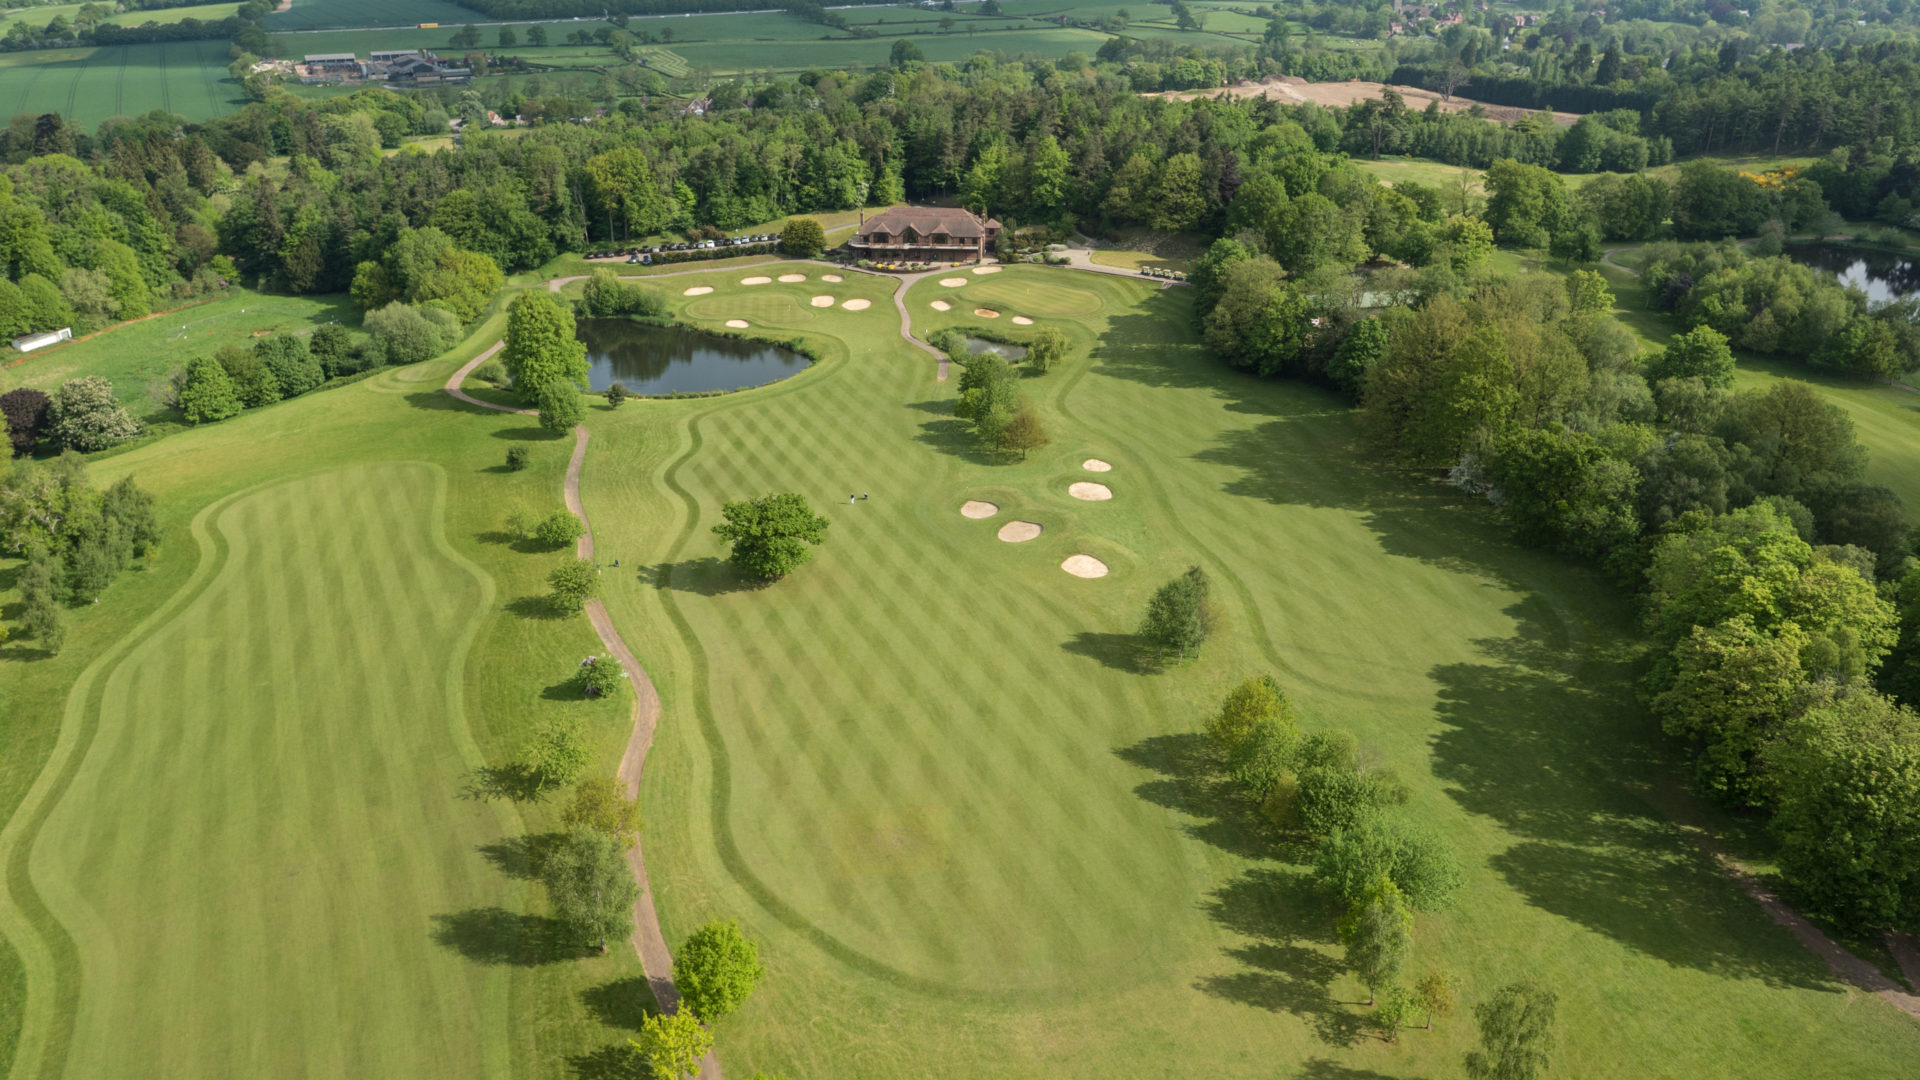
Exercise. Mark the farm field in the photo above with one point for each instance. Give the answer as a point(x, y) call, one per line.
point(928, 773)
point(40, 16)
point(317, 863)
point(327, 14)
point(88, 84)
point(134, 355)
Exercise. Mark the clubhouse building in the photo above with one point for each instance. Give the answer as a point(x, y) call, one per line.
point(925, 234)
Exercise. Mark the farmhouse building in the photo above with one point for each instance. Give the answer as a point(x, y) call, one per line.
point(925, 234)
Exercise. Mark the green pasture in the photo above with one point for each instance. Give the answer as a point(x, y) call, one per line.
point(970, 825)
point(136, 355)
point(250, 853)
point(88, 84)
point(327, 14)
point(40, 16)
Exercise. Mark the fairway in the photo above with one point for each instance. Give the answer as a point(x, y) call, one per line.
point(966, 820)
point(313, 837)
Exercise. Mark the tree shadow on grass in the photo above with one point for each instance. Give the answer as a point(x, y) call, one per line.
point(622, 1003)
point(949, 434)
point(617, 1062)
point(513, 782)
point(1284, 970)
point(1121, 652)
point(1545, 738)
point(704, 576)
point(1190, 783)
point(536, 607)
point(1322, 1069)
point(521, 857)
point(494, 935)
point(534, 433)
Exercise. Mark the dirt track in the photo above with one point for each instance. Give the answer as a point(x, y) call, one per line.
point(1293, 89)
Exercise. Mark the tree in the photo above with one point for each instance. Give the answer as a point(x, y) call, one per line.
point(85, 416)
point(1526, 204)
point(557, 753)
point(541, 349)
point(616, 395)
point(771, 535)
point(573, 583)
point(1179, 194)
point(600, 676)
point(537, 36)
point(1396, 1009)
point(560, 407)
point(1378, 934)
point(1700, 353)
point(1516, 1033)
point(1179, 615)
point(716, 969)
point(517, 457)
point(558, 529)
point(1024, 431)
point(803, 238)
point(507, 38)
point(590, 887)
point(601, 803)
point(208, 394)
point(1254, 704)
point(905, 52)
point(1048, 348)
point(402, 333)
point(1415, 859)
point(1564, 490)
point(1436, 994)
point(330, 348)
point(989, 398)
point(672, 1046)
point(26, 411)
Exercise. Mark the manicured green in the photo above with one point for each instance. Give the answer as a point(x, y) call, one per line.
point(930, 777)
point(135, 355)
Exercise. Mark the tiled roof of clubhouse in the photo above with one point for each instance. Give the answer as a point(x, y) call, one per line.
point(928, 221)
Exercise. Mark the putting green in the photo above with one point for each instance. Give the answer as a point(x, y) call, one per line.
point(263, 858)
point(1023, 294)
point(765, 308)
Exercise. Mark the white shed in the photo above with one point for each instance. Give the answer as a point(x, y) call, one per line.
point(31, 342)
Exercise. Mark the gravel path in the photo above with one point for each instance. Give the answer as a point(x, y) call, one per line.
point(648, 941)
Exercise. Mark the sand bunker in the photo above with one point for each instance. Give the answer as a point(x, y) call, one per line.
point(857, 305)
point(821, 301)
point(1094, 464)
point(755, 280)
point(1018, 532)
point(698, 290)
point(952, 282)
point(974, 508)
point(1084, 566)
point(941, 305)
point(986, 313)
point(1090, 492)
point(789, 279)
point(835, 278)
point(737, 324)
point(986, 269)
point(1022, 320)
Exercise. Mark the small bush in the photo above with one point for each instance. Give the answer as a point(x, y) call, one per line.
point(558, 529)
point(493, 371)
point(616, 395)
point(517, 458)
point(600, 676)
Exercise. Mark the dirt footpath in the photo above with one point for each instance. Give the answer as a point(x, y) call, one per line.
point(1293, 89)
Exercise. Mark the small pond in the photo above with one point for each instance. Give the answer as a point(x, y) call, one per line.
point(669, 359)
point(1001, 349)
point(1882, 275)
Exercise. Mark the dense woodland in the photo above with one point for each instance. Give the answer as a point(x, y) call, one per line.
point(1781, 596)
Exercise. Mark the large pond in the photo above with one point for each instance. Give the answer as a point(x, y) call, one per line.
point(676, 359)
point(1883, 276)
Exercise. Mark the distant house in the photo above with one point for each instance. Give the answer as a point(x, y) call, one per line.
point(30, 342)
point(925, 234)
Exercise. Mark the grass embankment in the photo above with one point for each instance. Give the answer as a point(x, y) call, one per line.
point(970, 827)
point(253, 853)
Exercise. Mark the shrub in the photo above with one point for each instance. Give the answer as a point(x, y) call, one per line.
point(616, 395)
point(517, 459)
point(803, 238)
point(716, 969)
point(493, 371)
point(600, 676)
point(558, 529)
point(573, 582)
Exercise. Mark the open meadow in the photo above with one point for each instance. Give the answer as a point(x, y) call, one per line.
point(87, 83)
point(972, 827)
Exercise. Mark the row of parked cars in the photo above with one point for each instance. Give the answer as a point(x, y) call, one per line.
point(638, 254)
point(1157, 272)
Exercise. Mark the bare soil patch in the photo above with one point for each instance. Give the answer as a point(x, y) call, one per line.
point(986, 313)
point(974, 508)
point(1090, 492)
point(1018, 532)
point(1085, 566)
